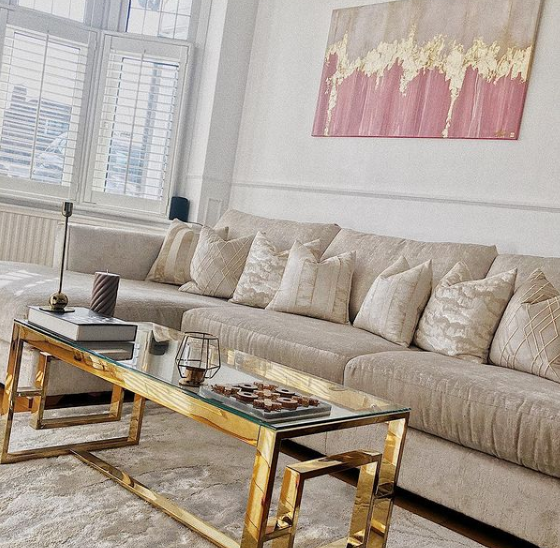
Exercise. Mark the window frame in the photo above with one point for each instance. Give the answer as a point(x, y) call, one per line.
point(115, 202)
point(103, 22)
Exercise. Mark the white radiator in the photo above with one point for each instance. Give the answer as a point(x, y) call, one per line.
point(26, 238)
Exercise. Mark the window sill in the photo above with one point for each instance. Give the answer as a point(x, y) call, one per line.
point(87, 213)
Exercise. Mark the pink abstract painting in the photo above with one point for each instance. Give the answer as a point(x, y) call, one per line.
point(428, 68)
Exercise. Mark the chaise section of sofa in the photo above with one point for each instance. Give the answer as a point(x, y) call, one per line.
point(124, 252)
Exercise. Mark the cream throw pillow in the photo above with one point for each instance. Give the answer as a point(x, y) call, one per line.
point(463, 314)
point(217, 265)
point(395, 301)
point(316, 289)
point(173, 262)
point(528, 337)
point(263, 272)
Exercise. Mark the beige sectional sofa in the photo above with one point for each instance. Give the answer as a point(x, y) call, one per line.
point(484, 440)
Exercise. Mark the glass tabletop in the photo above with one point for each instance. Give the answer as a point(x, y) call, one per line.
point(154, 354)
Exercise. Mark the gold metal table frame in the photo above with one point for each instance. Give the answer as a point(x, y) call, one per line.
point(373, 506)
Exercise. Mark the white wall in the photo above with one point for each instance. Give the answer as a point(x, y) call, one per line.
point(503, 192)
point(222, 67)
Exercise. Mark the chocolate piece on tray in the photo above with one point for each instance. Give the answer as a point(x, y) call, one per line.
point(276, 406)
point(285, 392)
point(220, 388)
point(247, 397)
point(248, 387)
point(314, 402)
point(258, 404)
point(288, 403)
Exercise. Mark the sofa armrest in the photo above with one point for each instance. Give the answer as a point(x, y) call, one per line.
point(129, 253)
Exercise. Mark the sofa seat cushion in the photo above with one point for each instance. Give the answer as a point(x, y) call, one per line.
point(23, 284)
point(375, 253)
point(307, 344)
point(508, 414)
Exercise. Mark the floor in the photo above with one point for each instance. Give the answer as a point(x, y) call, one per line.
point(483, 534)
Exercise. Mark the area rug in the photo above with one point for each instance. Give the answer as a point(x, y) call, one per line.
point(62, 502)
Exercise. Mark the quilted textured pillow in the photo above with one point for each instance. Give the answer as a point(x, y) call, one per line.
point(528, 337)
point(217, 265)
point(173, 263)
point(463, 314)
point(263, 272)
point(316, 289)
point(395, 301)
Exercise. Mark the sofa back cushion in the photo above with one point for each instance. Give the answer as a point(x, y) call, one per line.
point(128, 253)
point(281, 233)
point(526, 265)
point(375, 253)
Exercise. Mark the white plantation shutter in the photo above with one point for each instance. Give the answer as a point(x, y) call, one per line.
point(138, 111)
point(41, 93)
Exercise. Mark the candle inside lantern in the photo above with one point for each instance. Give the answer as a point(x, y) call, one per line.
point(104, 294)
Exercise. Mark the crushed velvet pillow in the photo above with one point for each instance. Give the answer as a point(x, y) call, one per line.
point(263, 272)
point(463, 314)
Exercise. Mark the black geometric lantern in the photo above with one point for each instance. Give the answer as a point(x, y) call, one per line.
point(198, 358)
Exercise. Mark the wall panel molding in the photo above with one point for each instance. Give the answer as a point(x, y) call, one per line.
point(308, 187)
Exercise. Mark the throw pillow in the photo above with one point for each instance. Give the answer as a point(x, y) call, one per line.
point(316, 289)
point(263, 272)
point(528, 337)
point(173, 262)
point(217, 265)
point(395, 301)
point(463, 314)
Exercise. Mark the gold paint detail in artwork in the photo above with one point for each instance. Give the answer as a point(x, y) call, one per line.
point(448, 57)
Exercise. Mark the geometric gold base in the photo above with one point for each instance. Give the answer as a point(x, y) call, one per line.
point(373, 505)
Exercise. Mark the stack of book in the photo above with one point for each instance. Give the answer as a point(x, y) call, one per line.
point(110, 337)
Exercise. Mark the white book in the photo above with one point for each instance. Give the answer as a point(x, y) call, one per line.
point(82, 325)
point(119, 351)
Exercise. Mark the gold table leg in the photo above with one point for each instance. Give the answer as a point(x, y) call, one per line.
point(260, 491)
point(390, 467)
point(38, 408)
point(291, 496)
point(8, 408)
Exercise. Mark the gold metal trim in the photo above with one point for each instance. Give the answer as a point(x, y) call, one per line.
point(284, 530)
point(379, 475)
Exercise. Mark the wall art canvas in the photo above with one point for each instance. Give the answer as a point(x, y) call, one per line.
point(428, 68)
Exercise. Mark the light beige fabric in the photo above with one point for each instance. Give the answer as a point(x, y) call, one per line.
point(395, 301)
point(128, 253)
point(528, 337)
point(501, 494)
point(316, 289)
point(173, 262)
point(306, 344)
point(22, 285)
point(217, 265)
point(280, 232)
point(526, 264)
point(504, 413)
point(463, 314)
point(263, 272)
point(375, 253)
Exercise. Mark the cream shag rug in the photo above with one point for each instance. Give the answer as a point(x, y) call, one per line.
point(62, 502)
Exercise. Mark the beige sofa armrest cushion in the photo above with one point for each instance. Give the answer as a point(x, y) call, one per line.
point(129, 253)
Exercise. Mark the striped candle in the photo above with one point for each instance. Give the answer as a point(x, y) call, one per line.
point(104, 294)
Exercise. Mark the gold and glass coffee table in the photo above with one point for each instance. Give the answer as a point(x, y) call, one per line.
point(151, 375)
